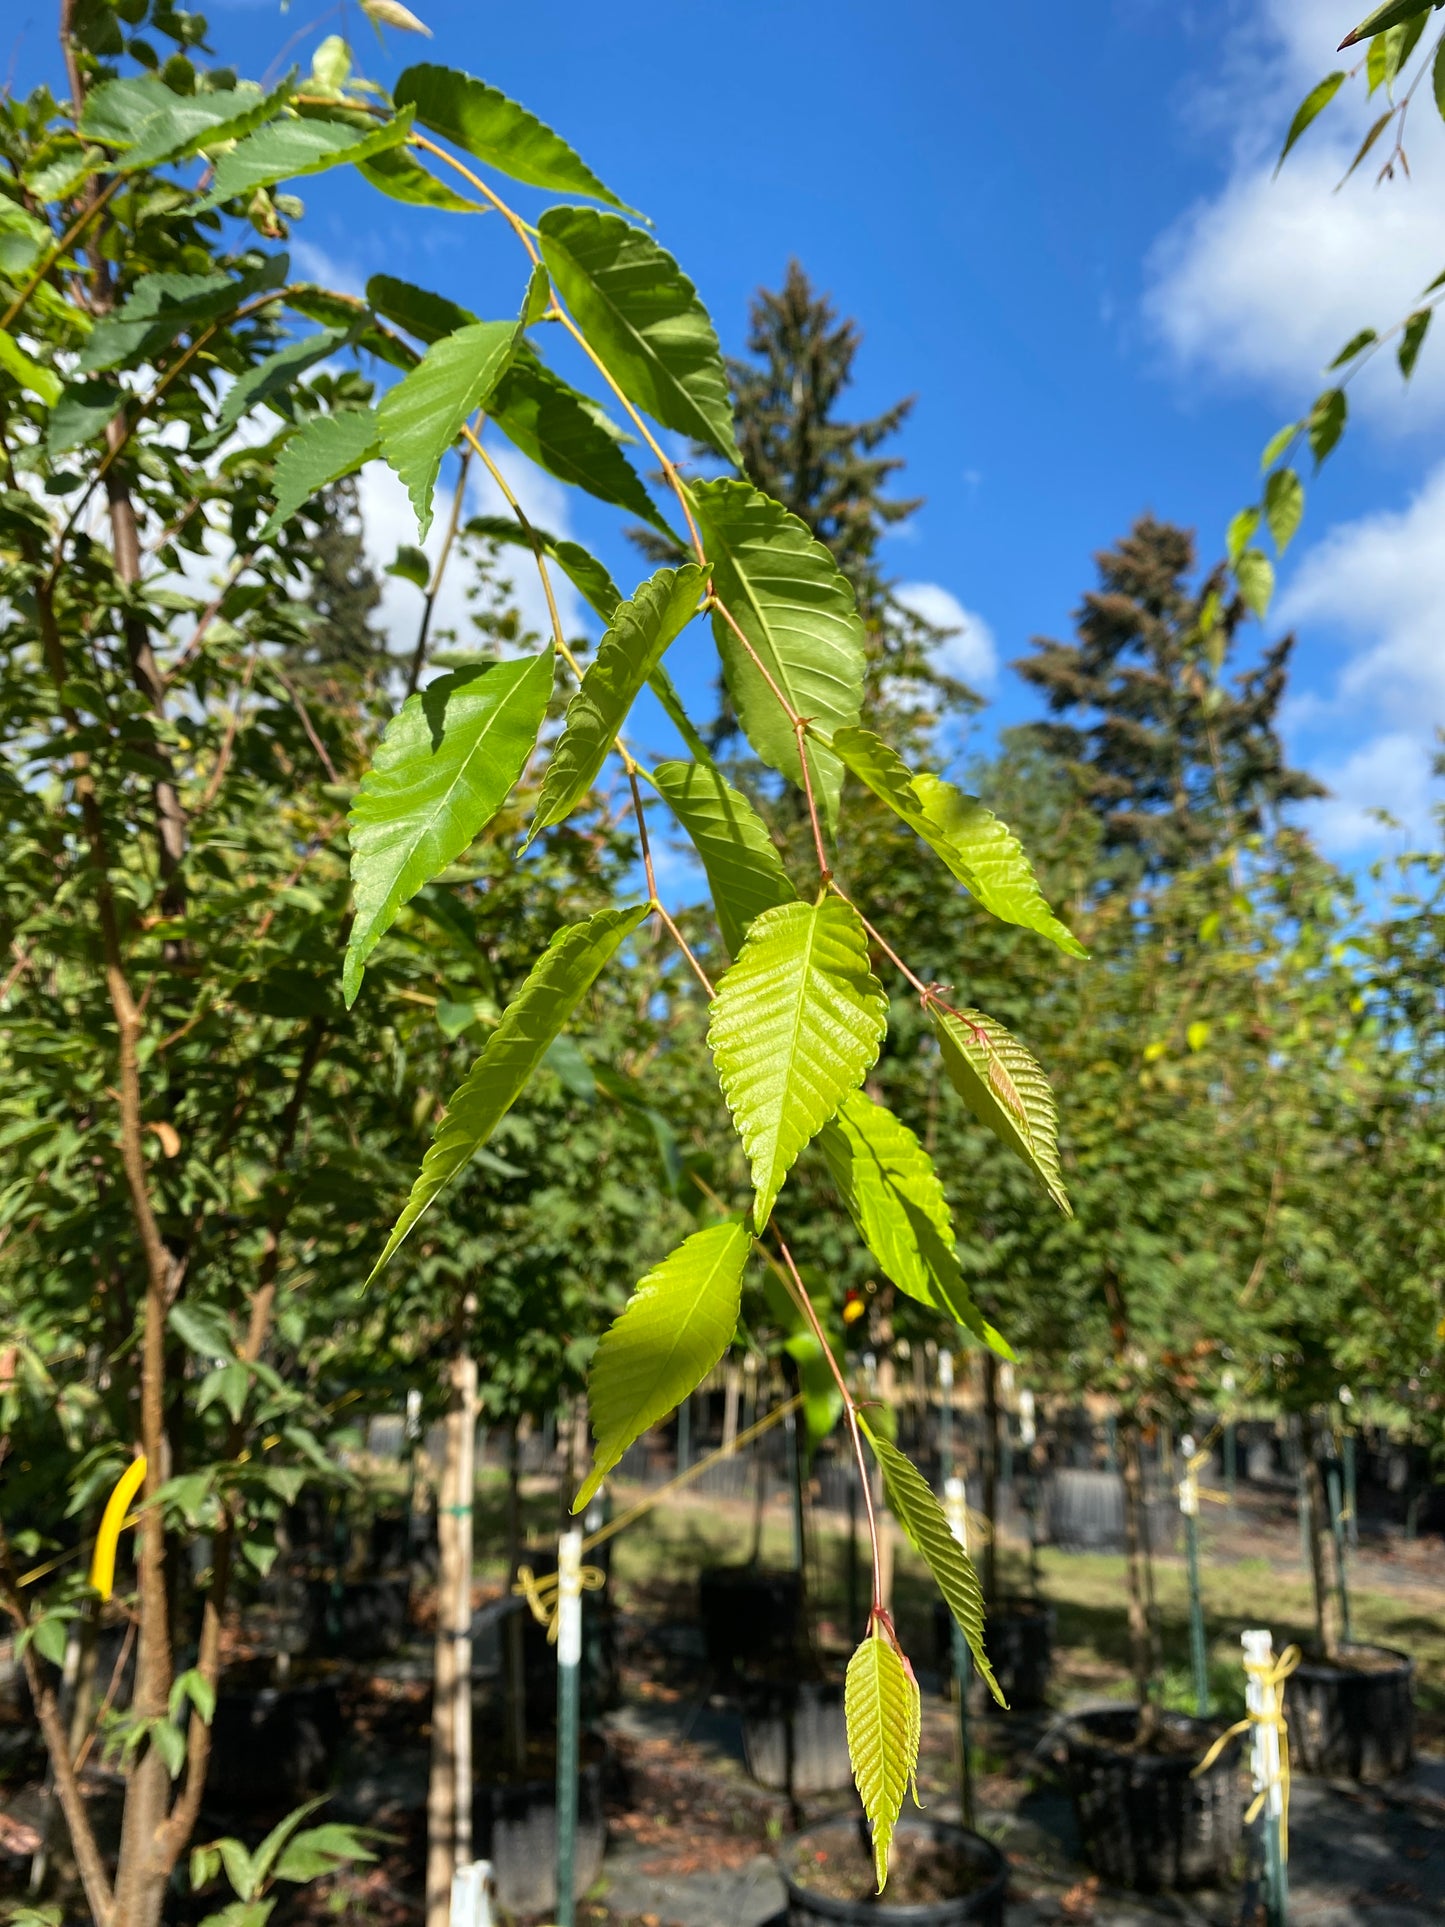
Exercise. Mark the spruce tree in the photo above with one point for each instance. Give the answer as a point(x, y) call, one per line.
point(1175, 754)
point(343, 593)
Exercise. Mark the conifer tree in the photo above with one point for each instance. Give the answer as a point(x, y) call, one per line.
point(1174, 754)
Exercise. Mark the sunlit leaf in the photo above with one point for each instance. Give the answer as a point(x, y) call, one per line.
point(1284, 505)
point(328, 447)
point(744, 870)
point(883, 1719)
point(290, 149)
point(1309, 109)
point(1003, 1086)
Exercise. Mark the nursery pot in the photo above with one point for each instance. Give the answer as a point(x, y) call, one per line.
point(271, 1746)
point(1144, 1821)
point(795, 1737)
point(938, 1876)
point(1019, 1638)
point(514, 1819)
point(356, 1618)
point(750, 1616)
point(1353, 1716)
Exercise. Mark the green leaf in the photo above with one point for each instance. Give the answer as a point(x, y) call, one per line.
point(674, 1328)
point(583, 570)
point(1437, 79)
point(42, 382)
point(796, 1025)
point(151, 124)
point(1368, 142)
point(1240, 532)
point(1280, 441)
point(1388, 15)
point(1325, 422)
point(289, 149)
point(80, 414)
point(1412, 338)
point(51, 1634)
point(1003, 1086)
point(744, 870)
point(559, 430)
point(891, 1190)
point(563, 974)
point(1254, 572)
point(798, 612)
point(1309, 109)
point(642, 315)
point(441, 772)
point(322, 1850)
point(421, 417)
point(430, 317)
point(398, 174)
point(242, 1913)
point(327, 448)
point(276, 375)
point(411, 565)
point(929, 1533)
point(170, 1742)
point(499, 131)
point(204, 1329)
point(636, 639)
point(1284, 505)
point(979, 850)
point(269, 1851)
point(229, 1383)
point(195, 1687)
point(162, 306)
point(1354, 346)
point(883, 1716)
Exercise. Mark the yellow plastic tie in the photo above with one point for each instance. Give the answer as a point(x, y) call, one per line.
point(1271, 1679)
point(113, 1523)
point(541, 1594)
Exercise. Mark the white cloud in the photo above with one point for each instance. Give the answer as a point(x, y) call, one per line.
point(313, 263)
point(1390, 773)
point(970, 654)
point(1263, 281)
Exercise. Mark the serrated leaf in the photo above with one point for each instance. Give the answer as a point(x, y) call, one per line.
point(559, 979)
point(883, 1717)
point(499, 131)
point(642, 315)
point(583, 570)
point(399, 175)
point(291, 149)
point(1390, 14)
point(1325, 422)
point(891, 1191)
point(636, 639)
point(441, 772)
point(1003, 1086)
point(799, 614)
point(1254, 572)
point(327, 448)
point(923, 1519)
point(1412, 338)
point(162, 306)
point(1284, 506)
point(276, 375)
point(421, 417)
point(744, 870)
point(1309, 109)
point(796, 1024)
point(151, 124)
point(1240, 533)
point(558, 429)
point(430, 317)
point(674, 1328)
point(42, 382)
point(79, 414)
point(979, 850)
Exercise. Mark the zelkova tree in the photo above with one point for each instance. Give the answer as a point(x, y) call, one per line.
point(798, 1017)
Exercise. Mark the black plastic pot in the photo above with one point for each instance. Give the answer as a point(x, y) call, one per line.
point(1019, 1637)
point(750, 1616)
point(795, 1736)
point(271, 1746)
point(1145, 1822)
point(355, 1618)
point(515, 1823)
point(1348, 1722)
point(983, 1903)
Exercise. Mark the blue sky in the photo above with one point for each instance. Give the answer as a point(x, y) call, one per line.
point(1057, 228)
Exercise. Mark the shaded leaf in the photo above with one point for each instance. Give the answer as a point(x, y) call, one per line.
point(430, 317)
point(276, 375)
point(891, 1190)
point(796, 1024)
point(1368, 142)
point(499, 131)
point(1325, 422)
point(923, 1519)
point(289, 149)
point(637, 637)
point(421, 417)
point(582, 569)
point(150, 123)
point(79, 414)
point(1003, 1086)
point(1412, 337)
point(327, 448)
point(1390, 14)
point(883, 1720)
point(1254, 572)
point(441, 772)
point(674, 1328)
point(744, 870)
point(559, 429)
point(642, 315)
point(562, 975)
point(1354, 346)
point(798, 612)
point(398, 174)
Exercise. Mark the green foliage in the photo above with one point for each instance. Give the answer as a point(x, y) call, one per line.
point(796, 1025)
point(567, 434)
point(674, 1329)
point(1004, 1088)
point(744, 871)
point(288, 148)
point(423, 415)
point(325, 450)
point(883, 1710)
point(443, 769)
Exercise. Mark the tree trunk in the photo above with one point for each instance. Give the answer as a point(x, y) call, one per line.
point(1142, 1650)
point(1315, 1516)
point(449, 1795)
